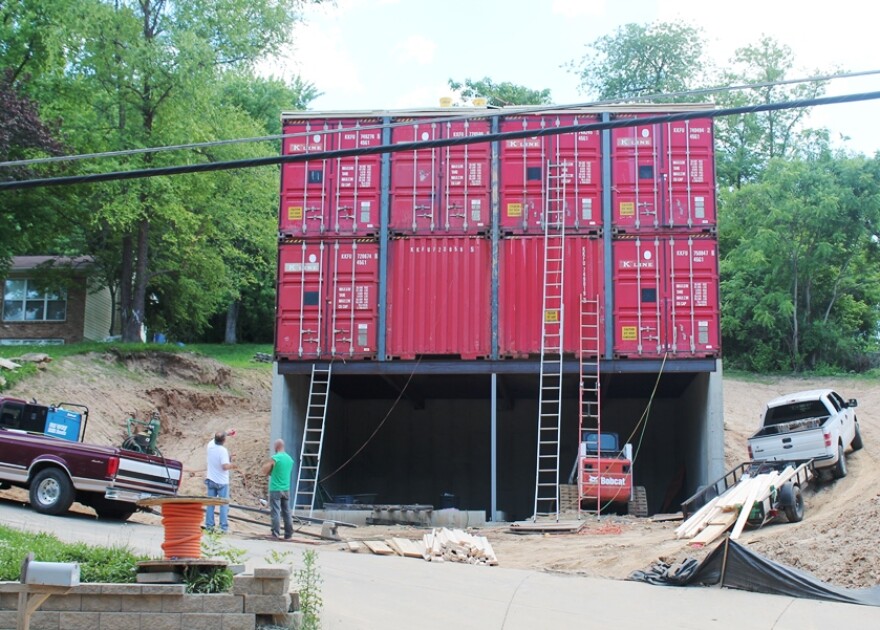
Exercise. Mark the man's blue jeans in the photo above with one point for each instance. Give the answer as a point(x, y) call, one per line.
point(221, 491)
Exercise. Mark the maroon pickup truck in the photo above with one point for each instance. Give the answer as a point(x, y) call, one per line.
point(59, 471)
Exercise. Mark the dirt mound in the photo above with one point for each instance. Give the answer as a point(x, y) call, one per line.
point(182, 366)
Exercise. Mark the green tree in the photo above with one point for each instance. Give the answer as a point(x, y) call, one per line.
point(746, 143)
point(800, 280)
point(641, 59)
point(145, 69)
point(498, 94)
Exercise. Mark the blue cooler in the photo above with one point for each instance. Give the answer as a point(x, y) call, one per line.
point(63, 423)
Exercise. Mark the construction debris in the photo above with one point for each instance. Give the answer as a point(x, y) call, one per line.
point(441, 545)
point(9, 365)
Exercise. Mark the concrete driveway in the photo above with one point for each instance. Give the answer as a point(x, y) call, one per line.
point(366, 591)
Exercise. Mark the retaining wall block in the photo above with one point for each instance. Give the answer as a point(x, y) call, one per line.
point(201, 621)
point(78, 620)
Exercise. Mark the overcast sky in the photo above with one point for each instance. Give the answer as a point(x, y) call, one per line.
point(389, 54)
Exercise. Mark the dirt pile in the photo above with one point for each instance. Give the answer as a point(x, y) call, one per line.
point(837, 541)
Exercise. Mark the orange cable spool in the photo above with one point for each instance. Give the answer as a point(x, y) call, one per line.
point(183, 530)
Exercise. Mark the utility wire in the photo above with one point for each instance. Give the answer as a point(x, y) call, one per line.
point(431, 144)
point(440, 120)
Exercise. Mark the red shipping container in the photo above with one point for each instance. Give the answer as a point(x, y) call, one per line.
point(327, 300)
point(445, 190)
point(521, 286)
point(438, 297)
point(663, 176)
point(524, 168)
point(690, 156)
point(340, 196)
point(666, 297)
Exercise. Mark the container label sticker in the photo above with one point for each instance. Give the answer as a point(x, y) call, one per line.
point(514, 209)
point(627, 209)
point(628, 333)
point(299, 267)
point(295, 213)
point(551, 316)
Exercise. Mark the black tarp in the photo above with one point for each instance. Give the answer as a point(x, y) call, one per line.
point(735, 566)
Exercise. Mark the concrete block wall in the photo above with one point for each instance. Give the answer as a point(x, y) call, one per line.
point(262, 597)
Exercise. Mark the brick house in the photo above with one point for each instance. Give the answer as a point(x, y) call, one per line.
point(70, 313)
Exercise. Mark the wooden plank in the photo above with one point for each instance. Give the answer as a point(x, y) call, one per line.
point(714, 530)
point(379, 548)
point(409, 548)
point(672, 516)
point(746, 510)
point(354, 546)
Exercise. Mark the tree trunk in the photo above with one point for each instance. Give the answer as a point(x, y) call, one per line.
point(126, 308)
point(232, 322)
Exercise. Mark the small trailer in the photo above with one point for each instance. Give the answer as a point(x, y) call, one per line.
point(753, 493)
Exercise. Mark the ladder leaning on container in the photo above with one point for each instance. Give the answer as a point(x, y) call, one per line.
point(589, 395)
point(312, 440)
point(552, 326)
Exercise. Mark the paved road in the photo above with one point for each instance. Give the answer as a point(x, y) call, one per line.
point(365, 591)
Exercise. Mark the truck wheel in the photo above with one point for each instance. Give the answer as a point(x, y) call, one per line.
point(638, 506)
point(839, 470)
point(857, 440)
point(794, 503)
point(51, 492)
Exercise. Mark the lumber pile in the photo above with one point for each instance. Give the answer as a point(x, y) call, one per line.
point(732, 508)
point(440, 545)
point(455, 545)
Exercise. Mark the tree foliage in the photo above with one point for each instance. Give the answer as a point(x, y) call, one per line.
point(642, 59)
point(498, 94)
point(746, 143)
point(800, 280)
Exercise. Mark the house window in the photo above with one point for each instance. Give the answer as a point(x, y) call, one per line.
point(24, 301)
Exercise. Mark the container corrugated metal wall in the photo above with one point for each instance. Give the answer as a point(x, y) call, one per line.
point(524, 170)
point(666, 297)
point(443, 191)
point(327, 302)
point(521, 292)
point(438, 297)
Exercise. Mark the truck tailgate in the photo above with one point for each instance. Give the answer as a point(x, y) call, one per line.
point(796, 445)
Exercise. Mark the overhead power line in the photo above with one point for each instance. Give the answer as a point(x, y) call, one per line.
point(431, 144)
point(538, 109)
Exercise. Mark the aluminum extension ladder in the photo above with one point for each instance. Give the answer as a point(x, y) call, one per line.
point(313, 440)
point(552, 326)
point(589, 395)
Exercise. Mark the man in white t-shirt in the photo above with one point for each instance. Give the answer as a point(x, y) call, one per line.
point(217, 479)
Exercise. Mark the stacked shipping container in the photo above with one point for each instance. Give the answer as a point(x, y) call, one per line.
point(639, 238)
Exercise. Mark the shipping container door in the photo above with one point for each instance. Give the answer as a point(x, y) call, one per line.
point(415, 203)
point(523, 164)
point(690, 181)
point(438, 297)
point(638, 297)
point(305, 186)
point(583, 151)
point(353, 299)
point(357, 180)
point(300, 299)
point(465, 180)
point(521, 286)
point(637, 174)
point(693, 319)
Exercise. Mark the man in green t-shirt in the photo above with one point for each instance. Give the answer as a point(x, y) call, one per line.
point(279, 469)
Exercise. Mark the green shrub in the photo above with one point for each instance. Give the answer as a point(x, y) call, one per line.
point(96, 564)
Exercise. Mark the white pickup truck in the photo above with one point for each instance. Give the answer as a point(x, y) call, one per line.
point(817, 424)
